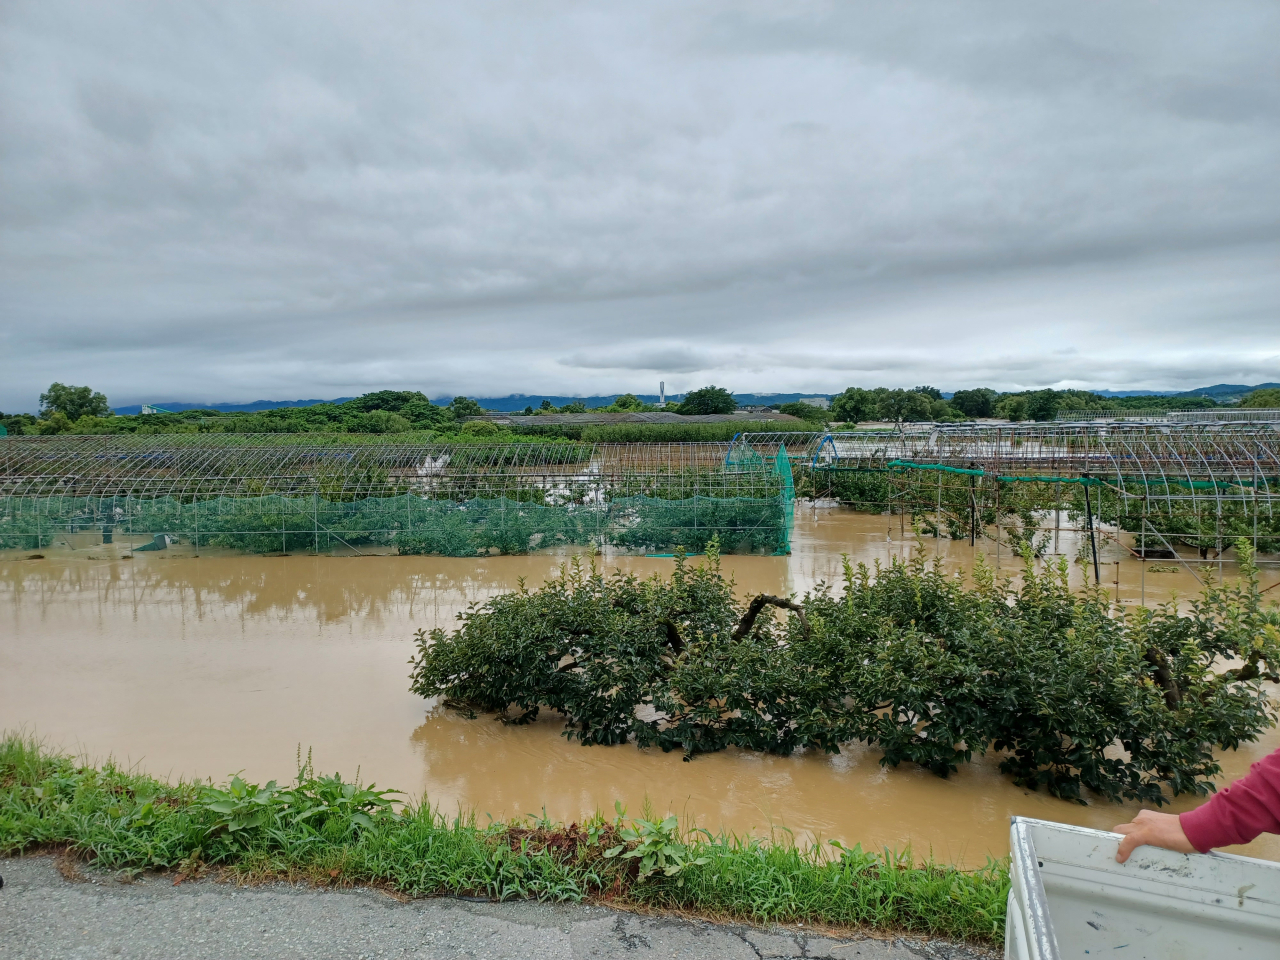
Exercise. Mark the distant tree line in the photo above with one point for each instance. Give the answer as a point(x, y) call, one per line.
point(627, 403)
point(918, 404)
point(82, 410)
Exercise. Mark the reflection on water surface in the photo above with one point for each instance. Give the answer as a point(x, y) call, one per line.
point(206, 666)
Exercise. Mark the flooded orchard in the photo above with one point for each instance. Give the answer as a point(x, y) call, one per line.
point(204, 666)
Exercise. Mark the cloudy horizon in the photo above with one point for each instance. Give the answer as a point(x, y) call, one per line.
point(239, 202)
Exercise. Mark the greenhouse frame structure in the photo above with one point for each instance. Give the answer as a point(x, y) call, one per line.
point(276, 493)
point(1203, 485)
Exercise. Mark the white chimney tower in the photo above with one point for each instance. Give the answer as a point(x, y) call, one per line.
point(662, 393)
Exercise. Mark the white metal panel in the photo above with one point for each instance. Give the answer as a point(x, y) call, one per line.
point(1159, 904)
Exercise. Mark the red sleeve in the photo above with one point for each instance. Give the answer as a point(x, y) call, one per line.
point(1239, 813)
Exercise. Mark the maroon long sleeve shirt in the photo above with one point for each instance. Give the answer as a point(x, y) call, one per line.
point(1239, 813)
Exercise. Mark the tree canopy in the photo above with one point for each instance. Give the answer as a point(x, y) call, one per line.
point(1264, 399)
point(73, 402)
point(980, 402)
point(708, 400)
point(905, 658)
point(465, 407)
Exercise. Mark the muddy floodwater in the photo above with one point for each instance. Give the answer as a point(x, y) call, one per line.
point(205, 666)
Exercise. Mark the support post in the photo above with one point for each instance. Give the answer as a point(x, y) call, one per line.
point(1142, 550)
point(1057, 516)
point(1093, 542)
point(973, 509)
point(997, 525)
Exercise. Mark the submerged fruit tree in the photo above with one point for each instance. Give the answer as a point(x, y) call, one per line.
point(1072, 693)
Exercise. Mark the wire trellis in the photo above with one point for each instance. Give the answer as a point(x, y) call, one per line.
point(1203, 485)
point(287, 492)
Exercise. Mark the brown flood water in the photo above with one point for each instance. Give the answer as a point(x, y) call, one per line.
point(206, 666)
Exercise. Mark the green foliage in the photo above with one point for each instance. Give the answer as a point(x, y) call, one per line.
point(1182, 520)
point(1265, 399)
point(1042, 405)
point(73, 402)
point(920, 404)
point(56, 422)
point(392, 401)
point(980, 402)
point(682, 432)
point(805, 411)
point(658, 847)
point(465, 407)
point(17, 424)
point(127, 821)
point(480, 428)
point(854, 406)
point(707, 400)
point(749, 515)
point(240, 806)
point(905, 659)
point(378, 421)
point(628, 401)
point(1012, 407)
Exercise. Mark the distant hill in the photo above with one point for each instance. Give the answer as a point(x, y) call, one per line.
point(1225, 391)
point(1136, 393)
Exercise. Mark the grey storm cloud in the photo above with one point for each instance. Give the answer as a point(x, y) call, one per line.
point(239, 200)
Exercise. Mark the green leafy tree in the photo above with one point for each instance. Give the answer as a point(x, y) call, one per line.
point(979, 402)
point(465, 407)
point(423, 413)
point(1042, 405)
point(933, 393)
point(378, 421)
point(1012, 407)
point(18, 423)
point(905, 659)
point(903, 406)
point(853, 405)
point(73, 402)
point(56, 422)
point(628, 401)
point(393, 400)
point(1264, 399)
point(708, 400)
point(940, 411)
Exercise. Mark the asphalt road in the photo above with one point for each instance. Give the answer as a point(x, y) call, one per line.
point(44, 916)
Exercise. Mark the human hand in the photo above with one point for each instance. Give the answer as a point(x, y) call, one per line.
point(1152, 829)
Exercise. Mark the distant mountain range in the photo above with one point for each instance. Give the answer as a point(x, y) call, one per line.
point(518, 401)
point(1221, 391)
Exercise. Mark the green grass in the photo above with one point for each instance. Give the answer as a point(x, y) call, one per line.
point(324, 831)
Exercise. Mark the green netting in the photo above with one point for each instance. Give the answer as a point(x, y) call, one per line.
point(782, 464)
point(410, 524)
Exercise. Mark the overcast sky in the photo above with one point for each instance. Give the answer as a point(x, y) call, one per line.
point(238, 201)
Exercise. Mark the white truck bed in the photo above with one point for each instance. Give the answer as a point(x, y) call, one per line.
point(1070, 899)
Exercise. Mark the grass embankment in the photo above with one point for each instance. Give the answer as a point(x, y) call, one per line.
point(324, 831)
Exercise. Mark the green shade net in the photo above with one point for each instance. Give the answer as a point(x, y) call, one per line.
point(410, 524)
